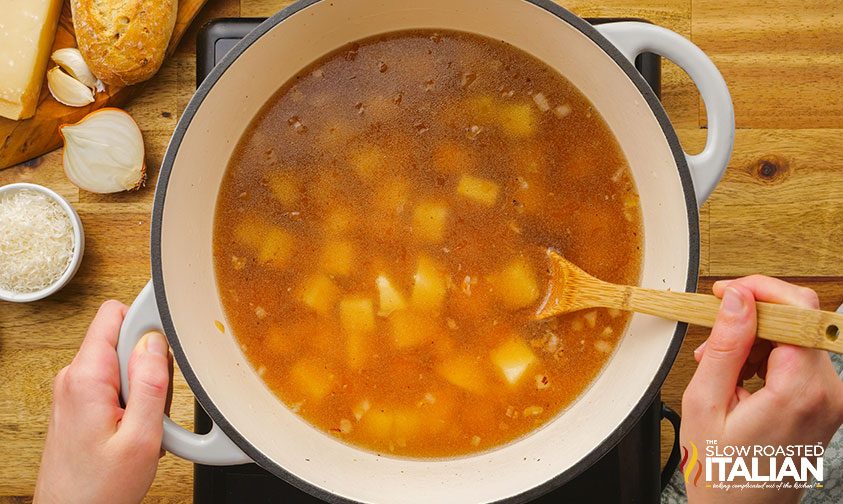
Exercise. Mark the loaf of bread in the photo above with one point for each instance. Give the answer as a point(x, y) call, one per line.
point(123, 41)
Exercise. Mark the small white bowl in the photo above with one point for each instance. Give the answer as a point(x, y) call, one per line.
point(78, 246)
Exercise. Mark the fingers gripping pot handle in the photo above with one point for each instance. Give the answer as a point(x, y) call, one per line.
point(213, 448)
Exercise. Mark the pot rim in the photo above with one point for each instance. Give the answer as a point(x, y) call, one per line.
point(252, 451)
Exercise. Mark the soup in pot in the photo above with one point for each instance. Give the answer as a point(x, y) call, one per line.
point(380, 234)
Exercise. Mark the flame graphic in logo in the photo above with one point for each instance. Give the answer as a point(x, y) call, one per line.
point(686, 466)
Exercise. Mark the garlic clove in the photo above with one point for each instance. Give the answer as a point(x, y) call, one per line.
point(72, 62)
point(103, 153)
point(67, 90)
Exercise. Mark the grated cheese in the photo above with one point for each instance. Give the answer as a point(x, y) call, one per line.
point(36, 241)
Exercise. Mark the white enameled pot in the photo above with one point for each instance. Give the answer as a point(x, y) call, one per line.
point(250, 423)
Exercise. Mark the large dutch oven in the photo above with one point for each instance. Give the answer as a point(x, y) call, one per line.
point(251, 424)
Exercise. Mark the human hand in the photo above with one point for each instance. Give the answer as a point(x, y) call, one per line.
point(801, 402)
point(96, 451)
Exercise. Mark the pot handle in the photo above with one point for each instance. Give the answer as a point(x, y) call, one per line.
point(672, 463)
point(213, 448)
point(633, 38)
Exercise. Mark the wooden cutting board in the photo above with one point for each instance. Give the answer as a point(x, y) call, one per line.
point(29, 138)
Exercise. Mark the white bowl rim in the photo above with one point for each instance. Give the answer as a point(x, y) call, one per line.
point(78, 245)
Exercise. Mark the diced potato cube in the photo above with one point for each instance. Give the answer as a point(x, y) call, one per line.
point(464, 372)
point(320, 294)
point(451, 157)
point(515, 286)
point(312, 379)
point(481, 107)
point(512, 359)
point(358, 320)
point(357, 315)
point(249, 232)
point(378, 422)
point(389, 297)
point(276, 248)
point(273, 245)
point(285, 187)
point(480, 190)
point(411, 329)
point(590, 318)
point(338, 257)
point(368, 161)
point(429, 286)
point(429, 221)
point(407, 424)
point(518, 120)
point(338, 221)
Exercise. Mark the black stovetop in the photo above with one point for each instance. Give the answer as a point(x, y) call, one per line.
point(629, 473)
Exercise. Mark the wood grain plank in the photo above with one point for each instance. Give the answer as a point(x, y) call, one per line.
point(262, 8)
point(767, 238)
point(45, 170)
point(779, 208)
point(783, 60)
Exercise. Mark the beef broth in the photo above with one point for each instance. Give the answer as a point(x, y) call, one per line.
point(380, 233)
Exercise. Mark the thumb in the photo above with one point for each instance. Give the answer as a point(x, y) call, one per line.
point(149, 378)
point(726, 349)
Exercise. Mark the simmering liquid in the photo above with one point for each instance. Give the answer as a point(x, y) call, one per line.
point(380, 234)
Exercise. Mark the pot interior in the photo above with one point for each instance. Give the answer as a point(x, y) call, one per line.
point(219, 372)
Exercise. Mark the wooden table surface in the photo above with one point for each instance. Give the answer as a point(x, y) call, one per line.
point(778, 209)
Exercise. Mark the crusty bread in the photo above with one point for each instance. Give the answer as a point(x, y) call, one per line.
point(123, 41)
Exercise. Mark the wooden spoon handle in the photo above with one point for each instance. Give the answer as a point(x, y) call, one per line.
point(781, 323)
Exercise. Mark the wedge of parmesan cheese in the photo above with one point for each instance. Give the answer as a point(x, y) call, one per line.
point(27, 30)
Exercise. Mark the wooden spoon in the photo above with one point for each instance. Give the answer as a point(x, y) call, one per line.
point(572, 289)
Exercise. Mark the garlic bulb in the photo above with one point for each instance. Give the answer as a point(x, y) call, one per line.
point(72, 62)
point(67, 90)
point(103, 153)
